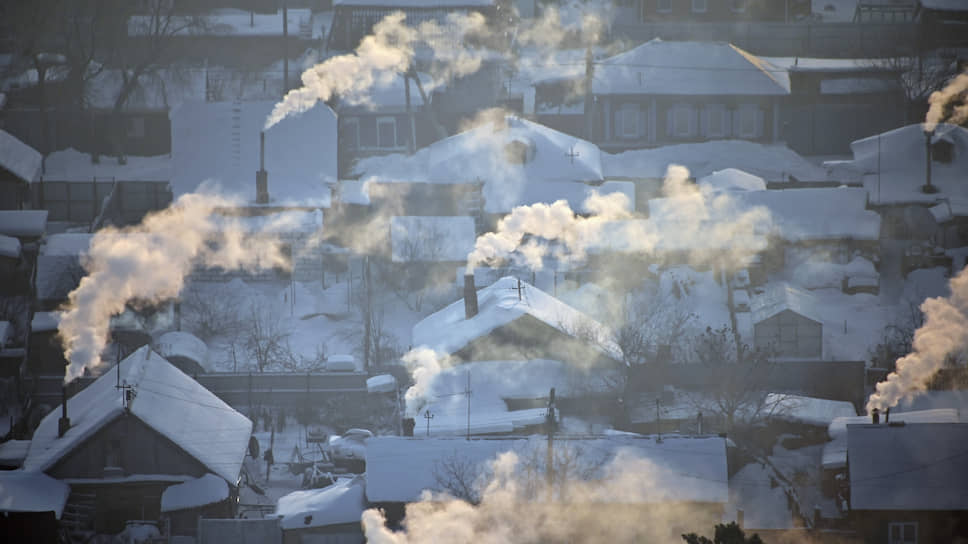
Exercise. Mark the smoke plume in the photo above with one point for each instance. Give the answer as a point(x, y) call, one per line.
point(940, 101)
point(513, 506)
point(423, 364)
point(148, 263)
point(705, 225)
point(943, 335)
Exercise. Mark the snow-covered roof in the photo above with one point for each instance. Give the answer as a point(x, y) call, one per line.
point(685, 469)
point(809, 410)
point(13, 452)
point(431, 238)
point(183, 344)
point(835, 451)
point(45, 322)
point(23, 223)
point(769, 161)
point(209, 489)
point(9, 246)
point(19, 158)
point(66, 244)
point(689, 68)
point(404, 4)
point(893, 165)
point(548, 192)
point(167, 400)
point(73, 165)
point(287, 221)
point(382, 383)
point(732, 179)
point(217, 143)
point(944, 5)
point(949, 209)
point(828, 213)
point(388, 94)
point(22, 491)
point(814, 64)
point(511, 147)
point(859, 85)
point(448, 330)
point(780, 296)
point(342, 502)
point(908, 467)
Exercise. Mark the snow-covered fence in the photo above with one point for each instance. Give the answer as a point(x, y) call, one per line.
point(239, 531)
point(825, 40)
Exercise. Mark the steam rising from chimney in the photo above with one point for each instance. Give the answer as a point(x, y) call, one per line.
point(943, 335)
point(423, 364)
point(940, 100)
point(148, 263)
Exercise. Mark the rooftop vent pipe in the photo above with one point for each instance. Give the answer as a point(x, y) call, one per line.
point(928, 187)
point(261, 176)
point(64, 423)
point(470, 296)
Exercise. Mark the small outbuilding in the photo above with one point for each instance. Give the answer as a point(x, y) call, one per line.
point(787, 323)
point(330, 514)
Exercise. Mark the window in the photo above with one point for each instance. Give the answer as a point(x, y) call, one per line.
point(682, 121)
point(738, 6)
point(386, 132)
point(351, 132)
point(664, 6)
point(905, 532)
point(699, 6)
point(112, 457)
point(715, 121)
point(627, 122)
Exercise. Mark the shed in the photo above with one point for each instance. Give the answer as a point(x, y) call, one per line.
point(184, 350)
point(908, 481)
point(182, 504)
point(330, 514)
point(30, 505)
point(26, 225)
point(787, 323)
point(20, 165)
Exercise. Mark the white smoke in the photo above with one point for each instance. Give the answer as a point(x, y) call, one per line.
point(148, 263)
point(706, 225)
point(939, 101)
point(943, 335)
point(424, 364)
point(513, 507)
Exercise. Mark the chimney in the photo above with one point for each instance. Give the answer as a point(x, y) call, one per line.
point(470, 296)
point(64, 423)
point(875, 416)
point(928, 187)
point(887, 415)
point(740, 517)
point(262, 177)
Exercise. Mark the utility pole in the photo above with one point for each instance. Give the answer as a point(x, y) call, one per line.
point(285, 48)
point(428, 416)
point(368, 318)
point(589, 99)
point(658, 423)
point(550, 461)
point(412, 143)
point(467, 392)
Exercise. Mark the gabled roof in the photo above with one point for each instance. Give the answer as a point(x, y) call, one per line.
point(683, 469)
point(448, 331)
point(19, 158)
point(829, 213)
point(908, 467)
point(488, 153)
point(835, 451)
point(166, 400)
point(782, 296)
point(689, 68)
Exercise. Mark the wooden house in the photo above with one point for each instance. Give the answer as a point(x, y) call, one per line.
point(696, 11)
point(666, 92)
point(138, 429)
point(907, 481)
point(786, 323)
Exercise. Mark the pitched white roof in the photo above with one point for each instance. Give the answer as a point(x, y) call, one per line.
point(731, 179)
point(23, 223)
point(782, 296)
point(448, 330)
point(9, 246)
point(689, 68)
point(908, 467)
point(686, 469)
point(209, 489)
point(183, 344)
point(482, 154)
point(431, 238)
point(835, 451)
point(817, 214)
point(166, 400)
point(342, 502)
point(22, 491)
point(19, 158)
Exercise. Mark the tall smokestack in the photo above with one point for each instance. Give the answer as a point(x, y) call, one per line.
point(64, 423)
point(262, 177)
point(470, 296)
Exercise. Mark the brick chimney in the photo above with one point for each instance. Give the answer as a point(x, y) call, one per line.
point(470, 296)
point(64, 423)
point(261, 176)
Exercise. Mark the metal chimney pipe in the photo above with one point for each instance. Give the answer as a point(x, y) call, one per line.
point(887, 415)
point(875, 416)
point(470, 296)
point(262, 177)
point(928, 187)
point(64, 423)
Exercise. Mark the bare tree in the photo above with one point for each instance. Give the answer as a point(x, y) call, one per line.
point(263, 340)
point(918, 76)
point(460, 477)
point(415, 253)
point(212, 312)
